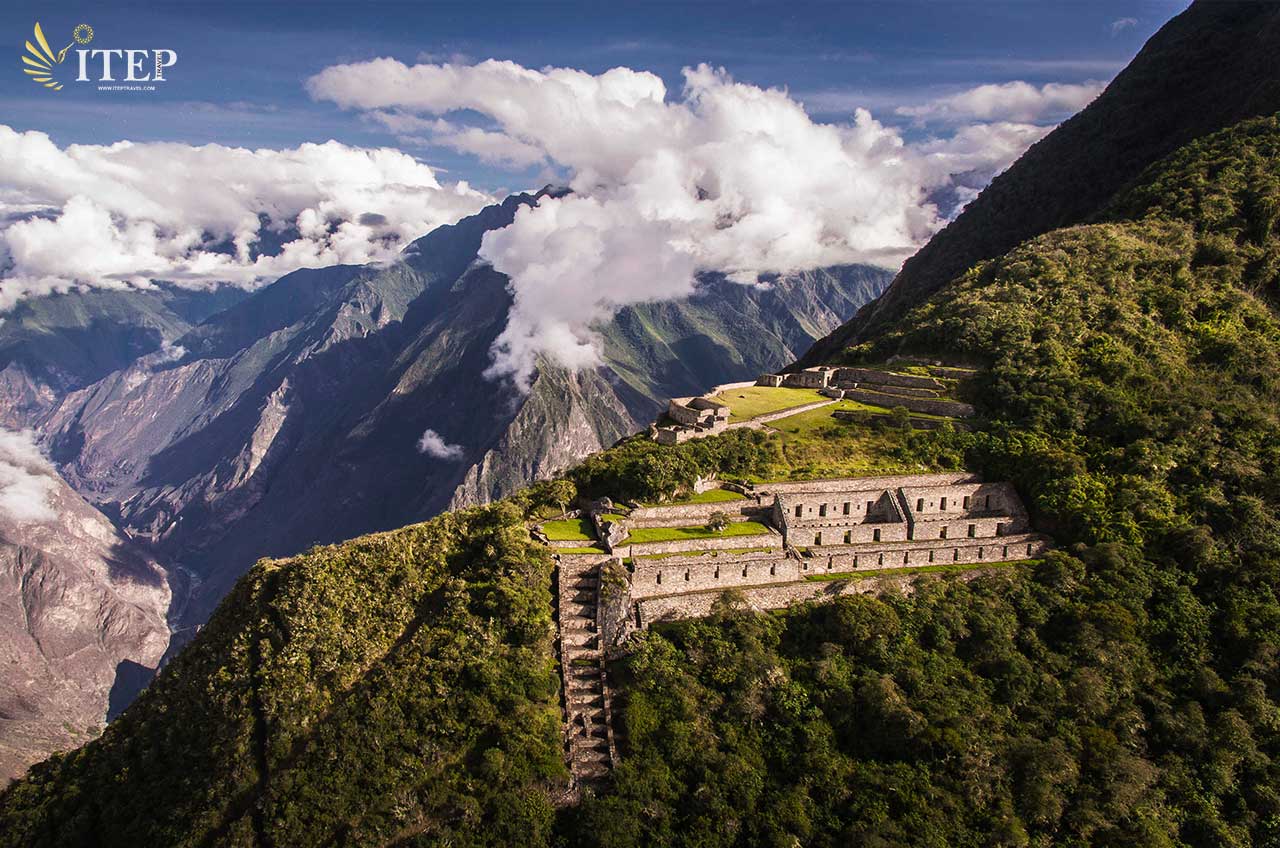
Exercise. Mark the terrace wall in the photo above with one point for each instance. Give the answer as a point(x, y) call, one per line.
point(688, 515)
point(713, 543)
point(926, 406)
point(882, 378)
point(656, 577)
point(698, 604)
point(867, 483)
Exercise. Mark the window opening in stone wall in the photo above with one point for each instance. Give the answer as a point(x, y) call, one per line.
point(799, 510)
point(659, 578)
point(973, 531)
point(942, 534)
point(848, 537)
point(919, 504)
point(966, 501)
point(875, 536)
point(846, 507)
point(822, 511)
point(943, 505)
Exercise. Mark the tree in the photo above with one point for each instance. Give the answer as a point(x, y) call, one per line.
point(717, 522)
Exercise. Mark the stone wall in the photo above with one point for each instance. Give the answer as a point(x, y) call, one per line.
point(614, 621)
point(810, 378)
point(667, 576)
point(698, 604)
point(926, 406)
point(714, 543)
point(846, 534)
point(689, 515)
point(949, 552)
point(896, 481)
point(882, 378)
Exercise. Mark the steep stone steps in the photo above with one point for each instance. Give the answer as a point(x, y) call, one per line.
point(586, 732)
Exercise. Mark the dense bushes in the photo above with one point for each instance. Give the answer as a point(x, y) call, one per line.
point(641, 469)
point(396, 688)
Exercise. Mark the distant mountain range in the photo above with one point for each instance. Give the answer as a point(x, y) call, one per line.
point(217, 428)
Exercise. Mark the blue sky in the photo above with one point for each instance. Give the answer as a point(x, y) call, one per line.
point(241, 69)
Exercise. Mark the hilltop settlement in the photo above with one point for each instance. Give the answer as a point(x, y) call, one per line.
point(769, 544)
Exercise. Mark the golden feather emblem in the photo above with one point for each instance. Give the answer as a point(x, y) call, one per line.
point(42, 62)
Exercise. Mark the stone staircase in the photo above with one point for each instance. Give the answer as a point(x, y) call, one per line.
point(588, 740)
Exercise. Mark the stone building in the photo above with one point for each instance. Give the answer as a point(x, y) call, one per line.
point(824, 536)
point(692, 418)
point(810, 378)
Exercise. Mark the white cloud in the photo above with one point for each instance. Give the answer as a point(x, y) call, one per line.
point(126, 214)
point(25, 481)
point(1016, 101)
point(1121, 24)
point(723, 177)
point(432, 444)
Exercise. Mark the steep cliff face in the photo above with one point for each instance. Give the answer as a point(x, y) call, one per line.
point(1208, 68)
point(294, 417)
point(53, 345)
point(82, 613)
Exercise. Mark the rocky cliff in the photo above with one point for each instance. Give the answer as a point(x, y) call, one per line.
point(82, 612)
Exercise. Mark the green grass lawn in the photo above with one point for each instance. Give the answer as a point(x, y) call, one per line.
point(612, 516)
point(590, 550)
point(817, 446)
point(751, 401)
point(709, 496)
point(916, 569)
point(569, 530)
point(643, 535)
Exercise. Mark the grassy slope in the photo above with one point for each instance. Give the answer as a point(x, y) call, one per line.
point(753, 401)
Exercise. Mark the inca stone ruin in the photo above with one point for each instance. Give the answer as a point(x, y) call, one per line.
point(775, 544)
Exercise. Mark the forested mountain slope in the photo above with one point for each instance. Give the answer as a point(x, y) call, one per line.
point(1208, 68)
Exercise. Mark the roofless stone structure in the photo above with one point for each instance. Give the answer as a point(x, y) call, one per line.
point(782, 543)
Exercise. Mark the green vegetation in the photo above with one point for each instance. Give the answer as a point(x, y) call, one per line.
point(753, 401)
point(709, 496)
point(644, 535)
point(1123, 693)
point(589, 550)
point(399, 688)
point(569, 530)
point(639, 469)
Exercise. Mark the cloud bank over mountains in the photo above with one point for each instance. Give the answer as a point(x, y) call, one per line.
point(126, 214)
point(721, 176)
